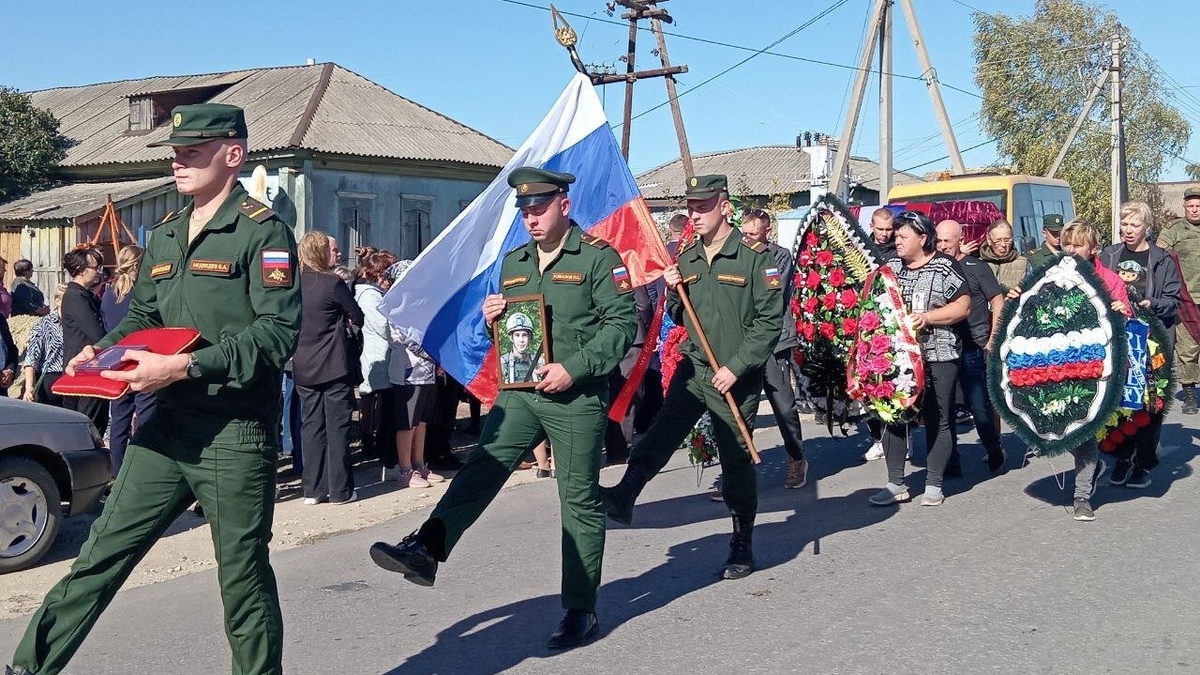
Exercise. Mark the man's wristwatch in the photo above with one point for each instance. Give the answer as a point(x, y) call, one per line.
point(193, 368)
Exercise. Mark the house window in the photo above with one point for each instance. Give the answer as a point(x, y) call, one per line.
point(416, 229)
point(354, 222)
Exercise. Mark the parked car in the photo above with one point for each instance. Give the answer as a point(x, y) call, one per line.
point(53, 464)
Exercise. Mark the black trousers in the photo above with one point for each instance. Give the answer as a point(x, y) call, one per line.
point(121, 412)
point(325, 434)
point(937, 401)
point(777, 382)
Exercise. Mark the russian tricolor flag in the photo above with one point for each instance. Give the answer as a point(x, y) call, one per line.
point(440, 298)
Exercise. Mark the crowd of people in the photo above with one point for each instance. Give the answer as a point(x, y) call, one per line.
point(296, 342)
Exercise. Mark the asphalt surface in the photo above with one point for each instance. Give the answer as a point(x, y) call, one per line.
point(999, 579)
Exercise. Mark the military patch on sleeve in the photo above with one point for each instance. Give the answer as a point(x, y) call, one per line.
point(276, 267)
point(596, 242)
point(256, 210)
point(515, 281)
point(162, 269)
point(735, 279)
point(772, 276)
point(566, 277)
point(621, 280)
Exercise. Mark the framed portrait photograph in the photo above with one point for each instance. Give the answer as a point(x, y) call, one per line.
point(523, 342)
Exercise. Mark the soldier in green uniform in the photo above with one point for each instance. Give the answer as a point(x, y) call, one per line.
point(224, 265)
point(590, 312)
point(519, 365)
point(1182, 237)
point(1052, 226)
point(737, 291)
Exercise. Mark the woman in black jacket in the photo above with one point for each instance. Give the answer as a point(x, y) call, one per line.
point(326, 370)
point(1152, 277)
point(81, 322)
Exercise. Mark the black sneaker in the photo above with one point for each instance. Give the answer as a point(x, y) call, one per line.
point(1121, 471)
point(1138, 478)
point(1083, 510)
point(409, 557)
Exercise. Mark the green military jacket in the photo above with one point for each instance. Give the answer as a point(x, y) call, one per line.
point(237, 284)
point(1039, 258)
point(1183, 239)
point(738, 300)
point(589, 302)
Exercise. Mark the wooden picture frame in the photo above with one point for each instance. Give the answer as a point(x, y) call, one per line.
point(522, 314)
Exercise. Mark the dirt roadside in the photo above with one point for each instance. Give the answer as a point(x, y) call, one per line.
point(187, 546)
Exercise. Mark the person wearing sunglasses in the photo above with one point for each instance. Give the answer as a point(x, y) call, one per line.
point(935, 290)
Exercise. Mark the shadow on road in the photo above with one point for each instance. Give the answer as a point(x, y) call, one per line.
point(501, 638)
point(1172, 467)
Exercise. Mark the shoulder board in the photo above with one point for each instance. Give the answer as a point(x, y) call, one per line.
point(593, 241)
point(256, 210)
point(756, 246)
point(170, 216)
point(685, 245)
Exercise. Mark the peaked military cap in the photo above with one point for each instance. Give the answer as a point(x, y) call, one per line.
point(1052, 222)
point(202, 122)
point(536, 186)
point(703, 187)
point(1192, 193)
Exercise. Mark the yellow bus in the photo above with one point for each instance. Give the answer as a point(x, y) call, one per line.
point(1022, 200)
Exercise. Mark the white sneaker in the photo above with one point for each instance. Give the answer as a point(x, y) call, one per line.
point(313, 501)
point(876, 452)
point(390, 474)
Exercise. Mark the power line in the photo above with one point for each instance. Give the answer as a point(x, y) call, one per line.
point(791, 34)
point(940, 159)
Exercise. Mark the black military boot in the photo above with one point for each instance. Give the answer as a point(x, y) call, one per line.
point(618, 500)
point(578, 627)
point(411, 557)
point(741, 549)
point(1189, 399)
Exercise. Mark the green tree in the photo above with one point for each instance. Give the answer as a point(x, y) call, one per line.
point(30, 145)
point(1193, 171)
point(1036, 72)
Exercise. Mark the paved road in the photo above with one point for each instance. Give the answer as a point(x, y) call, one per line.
point(998, 580)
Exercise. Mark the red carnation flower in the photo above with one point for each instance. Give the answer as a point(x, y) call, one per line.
point(810, 304)
point(813, 280)
point(811, 239)
point(827, 330)
point(849, 326)
point(849, 298)
point(830, 300)
point(824, 258)
point(837, 277)
point(808, 332)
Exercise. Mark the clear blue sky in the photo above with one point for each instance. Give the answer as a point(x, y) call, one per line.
point(495, 66)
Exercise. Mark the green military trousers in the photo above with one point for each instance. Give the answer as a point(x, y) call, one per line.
point(230, 470)
point(689, 395)
point(1187, 356)
point(574, 421)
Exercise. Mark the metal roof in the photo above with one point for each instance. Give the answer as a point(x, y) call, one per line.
point(69, 201)
point(322, 107)
point(761, 170)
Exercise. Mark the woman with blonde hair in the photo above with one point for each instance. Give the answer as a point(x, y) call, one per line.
point(132, 410)
point(43, 363)
point(326, 370)
point(1154, 283)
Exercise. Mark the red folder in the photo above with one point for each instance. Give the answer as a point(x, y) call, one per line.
point(165, 341)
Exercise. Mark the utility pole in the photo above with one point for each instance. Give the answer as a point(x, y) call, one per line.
point(1105, 75)
point(885, 101)
point(1120, 184)
point(879, 28)
point(639, 9)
